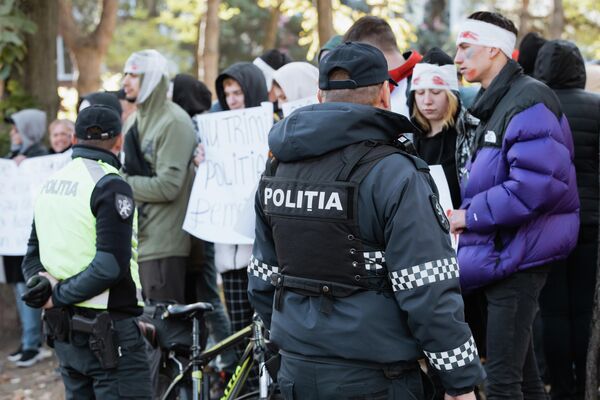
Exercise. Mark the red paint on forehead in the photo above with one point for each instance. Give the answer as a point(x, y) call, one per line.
point(469, 35)
point(438, 80)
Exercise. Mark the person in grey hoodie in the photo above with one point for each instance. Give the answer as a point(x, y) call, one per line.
point(26, 134)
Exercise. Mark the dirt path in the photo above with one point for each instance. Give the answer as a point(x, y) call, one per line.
point(38, 382)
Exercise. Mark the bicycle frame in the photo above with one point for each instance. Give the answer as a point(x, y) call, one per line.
point(254, 352)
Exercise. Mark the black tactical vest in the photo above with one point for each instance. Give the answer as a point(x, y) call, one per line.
point(311, 206)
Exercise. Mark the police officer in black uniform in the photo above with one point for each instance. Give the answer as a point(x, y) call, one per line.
point(81, 267)
point(352, 268)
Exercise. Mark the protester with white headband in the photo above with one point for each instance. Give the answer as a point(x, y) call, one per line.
point(520, 208)
point(446, 128)
point(158, 151)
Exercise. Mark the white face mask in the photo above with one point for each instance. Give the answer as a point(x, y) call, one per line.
point(152, 65)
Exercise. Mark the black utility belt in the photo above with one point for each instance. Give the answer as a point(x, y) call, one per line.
point(391, 370)
point(328, 291)
point(62, 323)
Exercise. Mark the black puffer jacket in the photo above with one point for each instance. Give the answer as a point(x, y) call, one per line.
point(560, 65)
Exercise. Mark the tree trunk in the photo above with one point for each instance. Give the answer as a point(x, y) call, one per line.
point(88, 66)
point(524, 21)
point(557, 23)
point(325, 21)
point(89, 50)
point(39, 73)
point(272, 27)
point(208, 49)
point(591, 378)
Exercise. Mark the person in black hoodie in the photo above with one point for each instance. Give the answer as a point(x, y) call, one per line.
point(242, 85)
point(567, 300)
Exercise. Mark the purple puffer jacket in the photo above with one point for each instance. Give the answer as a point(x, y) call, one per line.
point(521, 202)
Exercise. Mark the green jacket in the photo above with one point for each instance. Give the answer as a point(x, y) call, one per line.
point(167, 140)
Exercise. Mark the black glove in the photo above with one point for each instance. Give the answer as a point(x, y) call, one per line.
point(38, 291)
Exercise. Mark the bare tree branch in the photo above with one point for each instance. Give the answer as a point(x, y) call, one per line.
point(67, 26)
point(103, 33)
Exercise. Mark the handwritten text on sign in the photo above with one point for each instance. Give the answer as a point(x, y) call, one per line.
point(19, 186)
point(236, 147)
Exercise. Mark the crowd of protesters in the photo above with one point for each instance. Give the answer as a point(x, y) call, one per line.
point(515, 131)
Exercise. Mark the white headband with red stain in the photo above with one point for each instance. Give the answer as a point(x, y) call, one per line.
point(432, 76)
point(488, 35)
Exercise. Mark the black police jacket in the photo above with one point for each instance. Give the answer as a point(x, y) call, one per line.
point(398, 214)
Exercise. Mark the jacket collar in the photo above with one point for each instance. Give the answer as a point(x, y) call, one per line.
point(96, 154)
point(487, 99)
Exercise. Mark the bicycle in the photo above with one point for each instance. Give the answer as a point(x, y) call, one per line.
point(180, 372)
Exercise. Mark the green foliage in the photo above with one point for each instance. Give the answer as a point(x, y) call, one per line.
point(14, 25)
point(16, 99)
point(135, 34)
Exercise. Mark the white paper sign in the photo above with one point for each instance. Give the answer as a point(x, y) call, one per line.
point(236, 150)
point(439, 177)
point(291, 106)
point(19, 186)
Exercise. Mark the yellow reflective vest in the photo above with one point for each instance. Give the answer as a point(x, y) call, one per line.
point(66, 227)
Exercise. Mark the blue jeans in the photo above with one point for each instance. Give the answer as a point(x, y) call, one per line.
point(511, 366)
point(31, 320)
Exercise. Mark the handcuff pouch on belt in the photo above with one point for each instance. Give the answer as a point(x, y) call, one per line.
point(57, 325)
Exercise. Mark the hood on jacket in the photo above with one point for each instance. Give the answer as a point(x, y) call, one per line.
point(559, 65)
point(435, 56)
point(153, 68)
point(269, 62)
point(528, 51)
point(250, 78)
point(105, 98)
point(191, 94)
point(297, 80)
point(31, 124)
point(317, 129)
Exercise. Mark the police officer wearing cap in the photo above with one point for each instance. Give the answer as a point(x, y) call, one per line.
point(81, 267)
point(352, 268)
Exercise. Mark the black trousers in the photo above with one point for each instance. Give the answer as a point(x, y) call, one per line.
point(566, 306)
point(305, 380)
point(164, 279)
point(511, 365)
point(85, 379)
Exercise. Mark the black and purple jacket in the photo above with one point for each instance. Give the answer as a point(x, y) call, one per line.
point(520, 196)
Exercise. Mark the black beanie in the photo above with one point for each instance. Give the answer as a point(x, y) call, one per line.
point(275, 58)
point(528, 51)
point(437, 56)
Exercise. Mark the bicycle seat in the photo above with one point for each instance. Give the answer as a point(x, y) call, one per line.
point(187, 309)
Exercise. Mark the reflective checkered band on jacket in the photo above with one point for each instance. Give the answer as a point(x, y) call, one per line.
point(261, 270)
point(455, 358)
point(423, 274)
point(374, 260)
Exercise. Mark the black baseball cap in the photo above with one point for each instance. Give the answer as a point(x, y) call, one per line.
point(97, 122)
point(365, 64)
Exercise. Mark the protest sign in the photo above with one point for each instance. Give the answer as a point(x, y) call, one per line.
point(439, 177)
point(236, 149)
point(19, 186)
point(290, 106)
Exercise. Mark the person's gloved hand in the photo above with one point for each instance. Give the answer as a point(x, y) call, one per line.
point(39, 290)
